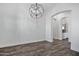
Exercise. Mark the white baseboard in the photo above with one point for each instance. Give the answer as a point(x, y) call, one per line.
point(49, 40)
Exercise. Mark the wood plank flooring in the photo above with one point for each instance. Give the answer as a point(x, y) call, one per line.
point(42, 48)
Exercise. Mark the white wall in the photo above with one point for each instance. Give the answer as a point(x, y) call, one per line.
point(17, 27)
point(49, 33)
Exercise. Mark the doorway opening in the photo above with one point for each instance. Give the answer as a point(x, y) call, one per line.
point(61, 25)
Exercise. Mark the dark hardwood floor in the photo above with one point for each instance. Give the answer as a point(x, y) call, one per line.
point(42, 48)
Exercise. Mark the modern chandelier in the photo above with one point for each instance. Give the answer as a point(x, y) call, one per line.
point(36, 10)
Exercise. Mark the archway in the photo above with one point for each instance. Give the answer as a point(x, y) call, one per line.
point(61, 24)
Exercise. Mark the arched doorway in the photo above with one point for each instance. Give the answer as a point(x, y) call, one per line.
point(61, 25)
